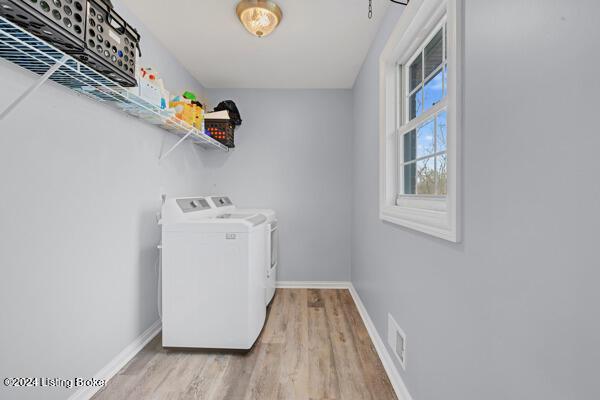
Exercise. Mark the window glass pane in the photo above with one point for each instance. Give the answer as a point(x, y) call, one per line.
point(441, 132)
point(426, 176)
point(434, 53)
point(410, 178)
point(425, 144)
point(441, 163)
point(415, 104)
point(410, 146)
point(433, 91)
point(415, 73)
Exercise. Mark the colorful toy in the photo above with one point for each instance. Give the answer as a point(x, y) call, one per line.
point(190, 96)
point(188, 109)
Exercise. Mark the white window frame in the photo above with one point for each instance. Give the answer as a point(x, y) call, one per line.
point(405, 125)
point(435, 215)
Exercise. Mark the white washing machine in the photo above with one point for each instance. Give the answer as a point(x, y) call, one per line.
point(225, 205)
point(213, 290)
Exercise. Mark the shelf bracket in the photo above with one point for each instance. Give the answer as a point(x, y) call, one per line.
point(33, 87)
point(176, 144)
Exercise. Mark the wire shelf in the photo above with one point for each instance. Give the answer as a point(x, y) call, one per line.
point(34, 54)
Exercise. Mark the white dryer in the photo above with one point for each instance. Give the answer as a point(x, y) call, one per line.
point(213, 291)
point(225, 205)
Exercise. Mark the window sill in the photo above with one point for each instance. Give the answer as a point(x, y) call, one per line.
point(430, 203)
point(431, 222)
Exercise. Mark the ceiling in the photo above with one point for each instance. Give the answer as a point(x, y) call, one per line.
point(319, 43)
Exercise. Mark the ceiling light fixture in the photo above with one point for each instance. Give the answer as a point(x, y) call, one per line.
point(259, 17)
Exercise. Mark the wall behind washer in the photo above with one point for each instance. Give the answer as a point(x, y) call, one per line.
point(81, 184)
point(512, 312)
point(294, 155)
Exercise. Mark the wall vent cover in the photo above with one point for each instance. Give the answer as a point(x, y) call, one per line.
point(397, 341)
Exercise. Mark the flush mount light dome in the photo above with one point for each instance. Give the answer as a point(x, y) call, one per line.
point(259, 17)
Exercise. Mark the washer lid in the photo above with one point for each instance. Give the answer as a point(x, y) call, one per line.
point(218, 223)
point(253, 219)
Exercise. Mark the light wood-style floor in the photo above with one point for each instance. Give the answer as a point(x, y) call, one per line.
point(314, 347)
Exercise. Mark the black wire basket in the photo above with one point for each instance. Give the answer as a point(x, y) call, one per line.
point(222, 130)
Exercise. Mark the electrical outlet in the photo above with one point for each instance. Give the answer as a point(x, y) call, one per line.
point(397, 340)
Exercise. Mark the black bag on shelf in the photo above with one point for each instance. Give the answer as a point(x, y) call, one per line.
point(234, 114)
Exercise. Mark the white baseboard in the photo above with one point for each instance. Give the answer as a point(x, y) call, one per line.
point(313, 284)
point(386, 358)
point(115, 365)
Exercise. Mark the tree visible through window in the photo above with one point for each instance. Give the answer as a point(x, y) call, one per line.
point(423, 133)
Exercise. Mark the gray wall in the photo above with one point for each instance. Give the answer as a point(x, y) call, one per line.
point(294, 155)
point(81, 185)
point(512, 312)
